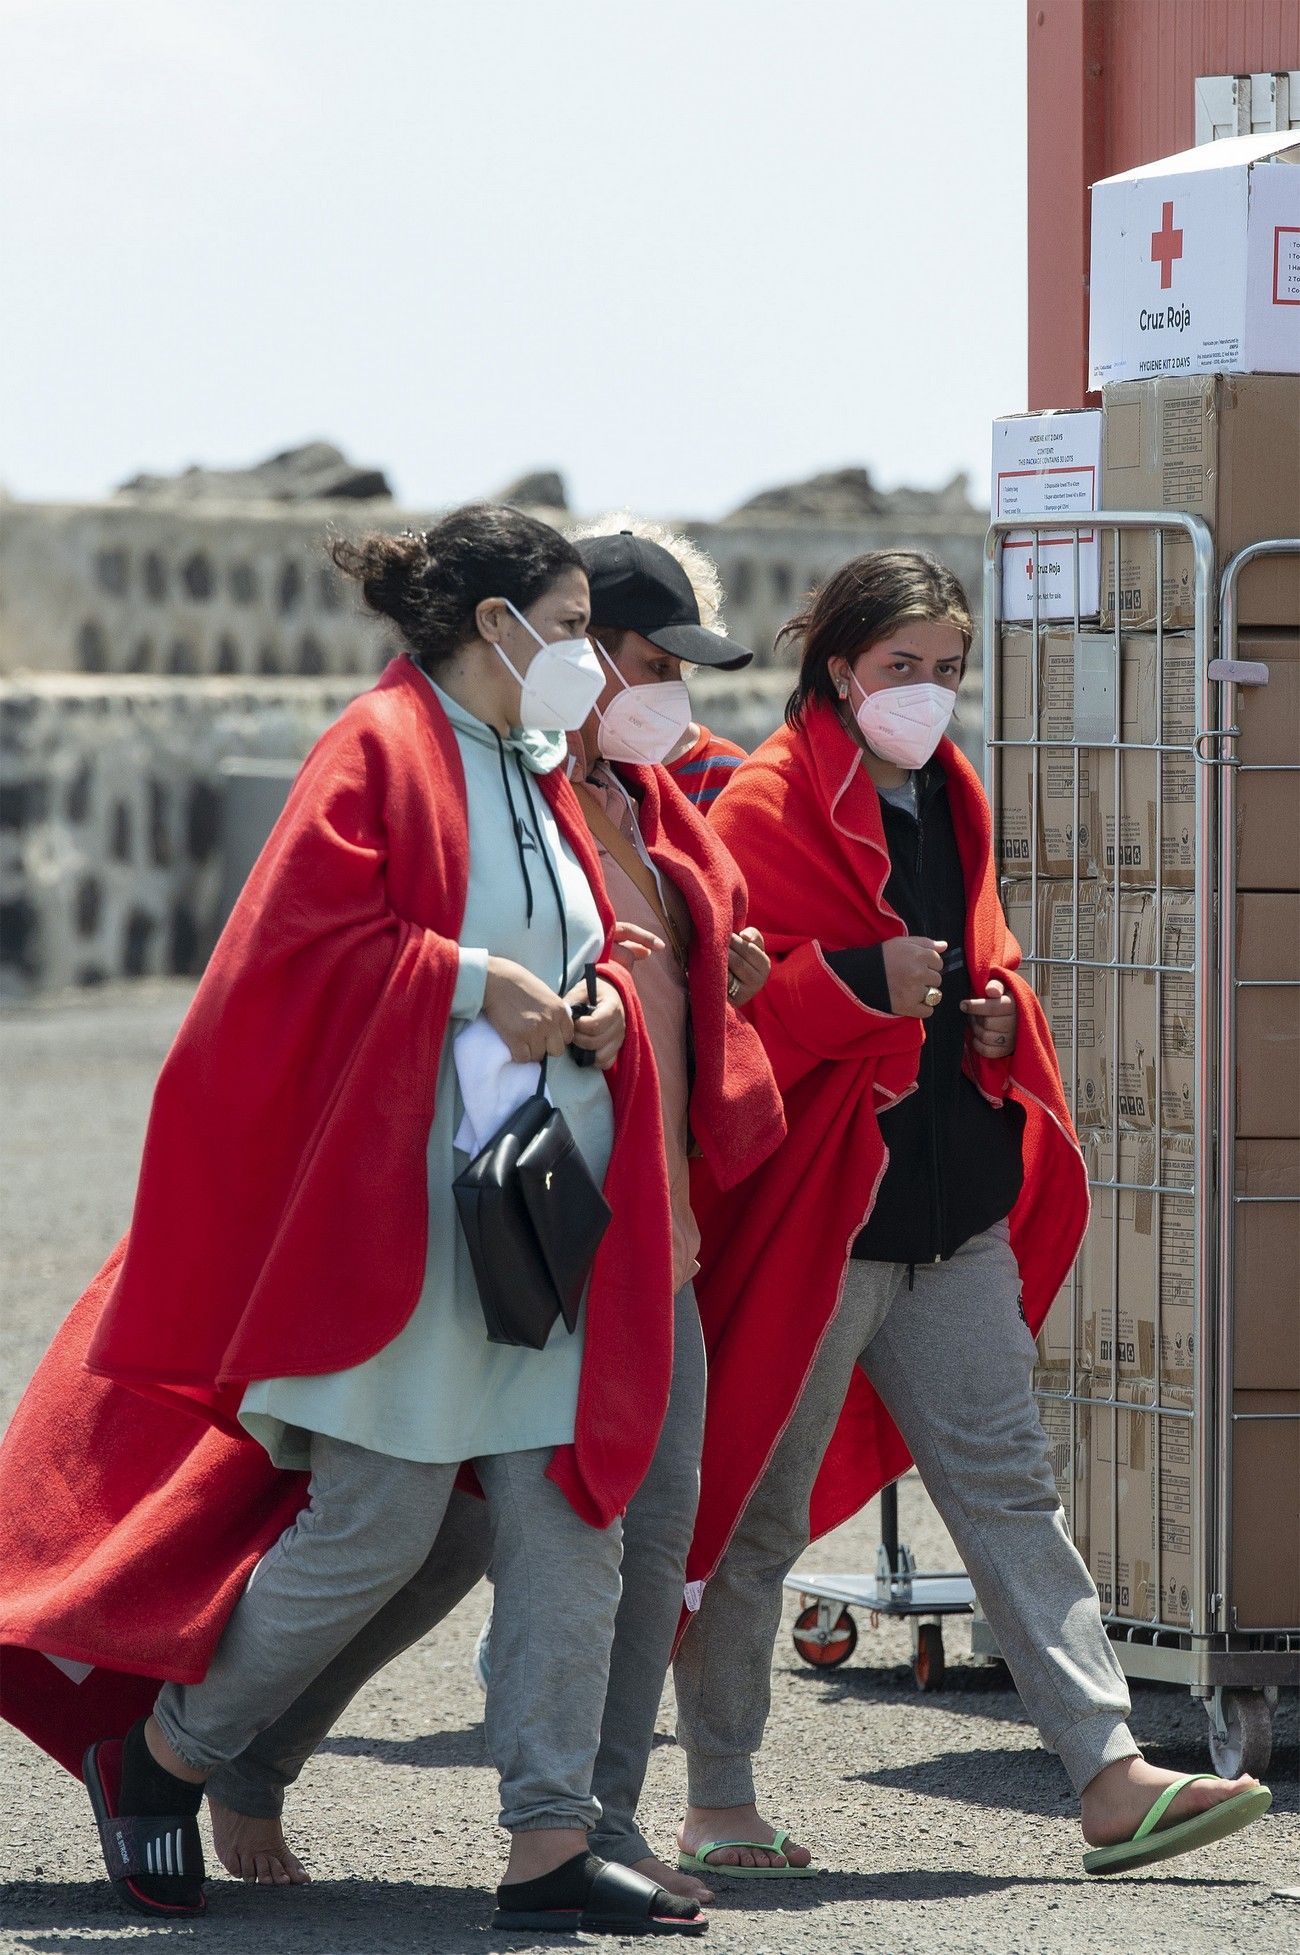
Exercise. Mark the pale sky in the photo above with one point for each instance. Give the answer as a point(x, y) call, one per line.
point(682, 249)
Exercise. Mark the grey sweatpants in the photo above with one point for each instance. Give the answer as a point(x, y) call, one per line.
point(952, 1359)
point(656, 1535)
point(367, 1530)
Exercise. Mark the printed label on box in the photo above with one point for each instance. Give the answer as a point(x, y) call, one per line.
point(1286, 264)
point(1047, 464)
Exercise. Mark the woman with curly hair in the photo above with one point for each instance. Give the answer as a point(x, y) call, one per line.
point(296, 1277)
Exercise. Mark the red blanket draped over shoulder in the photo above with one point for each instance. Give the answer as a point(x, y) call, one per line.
point(736, 1116)
point(280, 1229)
point(802, 819)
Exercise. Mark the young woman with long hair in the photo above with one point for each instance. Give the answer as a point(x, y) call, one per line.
point(871, 1295)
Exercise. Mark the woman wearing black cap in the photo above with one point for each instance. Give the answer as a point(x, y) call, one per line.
point(702, 762)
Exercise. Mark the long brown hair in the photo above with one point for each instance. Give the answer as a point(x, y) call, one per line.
point(865, 601)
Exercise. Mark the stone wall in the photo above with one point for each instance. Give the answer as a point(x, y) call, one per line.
point(212, 590)
point(125, 830)
point(220, 590)
point(147, 647)
point(110, 816)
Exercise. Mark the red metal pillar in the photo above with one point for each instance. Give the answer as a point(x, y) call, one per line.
point(1067, 145)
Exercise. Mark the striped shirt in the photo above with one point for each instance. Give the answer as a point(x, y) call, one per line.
point(704, 769)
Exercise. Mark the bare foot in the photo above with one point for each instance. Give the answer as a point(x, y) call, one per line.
point(1116, 1802)
point(704, 1823)
point(254, 1849)
point(685, 1885)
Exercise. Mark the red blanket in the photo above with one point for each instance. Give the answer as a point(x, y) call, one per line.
point(802, 819)
point(736, 1115)
point(280, 1228)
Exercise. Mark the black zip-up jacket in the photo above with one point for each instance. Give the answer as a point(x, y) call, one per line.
point(954, 1161)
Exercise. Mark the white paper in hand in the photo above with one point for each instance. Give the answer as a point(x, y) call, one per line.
point(492, 1084)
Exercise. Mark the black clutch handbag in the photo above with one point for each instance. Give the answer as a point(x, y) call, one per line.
point(533, 1219)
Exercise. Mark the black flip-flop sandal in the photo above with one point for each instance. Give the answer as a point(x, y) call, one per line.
point(619, 1901)
point(168, 1846)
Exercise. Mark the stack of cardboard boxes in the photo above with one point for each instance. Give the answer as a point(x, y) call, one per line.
point(1098, 824)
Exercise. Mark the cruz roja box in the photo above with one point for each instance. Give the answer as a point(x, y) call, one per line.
point(1224, 449)
point(1196, 263)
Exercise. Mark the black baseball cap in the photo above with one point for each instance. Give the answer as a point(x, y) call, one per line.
point(639, 586)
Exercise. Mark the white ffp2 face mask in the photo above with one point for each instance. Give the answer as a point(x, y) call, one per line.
point(642, 724)
point(562, 683)
point(905, 723)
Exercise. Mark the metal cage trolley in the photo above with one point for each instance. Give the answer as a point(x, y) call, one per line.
point(1103, 742)
point(1149, 755)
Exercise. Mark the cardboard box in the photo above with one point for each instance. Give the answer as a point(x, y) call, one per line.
point(1268, 804)
point(1077, 685)
point(1157, 791)
point(1268, 1019)
point(1227, 450)
point(1140, 1512)
point(1265, 1562)
point(1054, 935)
point(1266, 1294)
point(1047, 462)
point(1132, 1579)
point(1013, 838)
point(1137, 1266)
point(1196, 263)
point(1156, 1013)
point(1068, 1431)
point(1057, 716)
point(1060, 712)
point(1076, 700)
point(1076, 1003)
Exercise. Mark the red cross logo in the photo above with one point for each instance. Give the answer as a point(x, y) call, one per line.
point(1166, 245)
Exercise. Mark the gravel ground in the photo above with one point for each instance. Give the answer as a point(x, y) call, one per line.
point(945, 1826)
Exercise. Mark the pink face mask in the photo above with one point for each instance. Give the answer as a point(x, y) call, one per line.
point(904, 723)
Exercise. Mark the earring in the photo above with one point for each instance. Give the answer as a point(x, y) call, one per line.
point(843, 688)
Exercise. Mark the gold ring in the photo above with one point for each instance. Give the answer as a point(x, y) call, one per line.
point(733, 987)
point(932, 997)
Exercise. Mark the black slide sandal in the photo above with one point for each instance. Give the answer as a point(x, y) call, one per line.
point(618, 1901)
point(169, 1846)
point(621, 1901)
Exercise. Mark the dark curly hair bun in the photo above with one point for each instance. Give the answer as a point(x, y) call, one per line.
point(432, 585)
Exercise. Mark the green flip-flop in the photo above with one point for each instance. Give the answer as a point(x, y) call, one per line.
point(698, 1862)
point(1146, 1845)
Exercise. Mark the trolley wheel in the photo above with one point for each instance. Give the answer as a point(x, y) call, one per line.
point(827, 1649)
point(928, 1664)
point(481, 1661)
point(1248, 1746)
